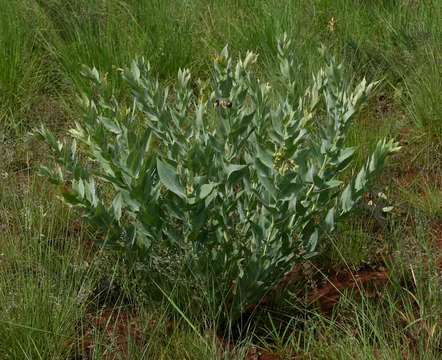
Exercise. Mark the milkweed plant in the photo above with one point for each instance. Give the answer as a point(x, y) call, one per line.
point(239, 183)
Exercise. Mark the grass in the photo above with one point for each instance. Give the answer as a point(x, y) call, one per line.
point(49, 272)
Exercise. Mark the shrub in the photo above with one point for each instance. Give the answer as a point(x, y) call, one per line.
point(238, 185)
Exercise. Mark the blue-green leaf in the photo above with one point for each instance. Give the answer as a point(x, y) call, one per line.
point(168, 177)
point(231, 169)
point(206, 189)
point(117, 205)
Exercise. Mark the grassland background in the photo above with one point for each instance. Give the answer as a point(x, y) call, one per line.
point(46, 261)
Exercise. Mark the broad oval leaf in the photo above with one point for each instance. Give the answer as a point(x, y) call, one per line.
point(168, 177)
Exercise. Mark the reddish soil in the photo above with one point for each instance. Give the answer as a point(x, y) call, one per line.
point(436, 235)
point(328, 295)
point(256, 354)
point(118, 326)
